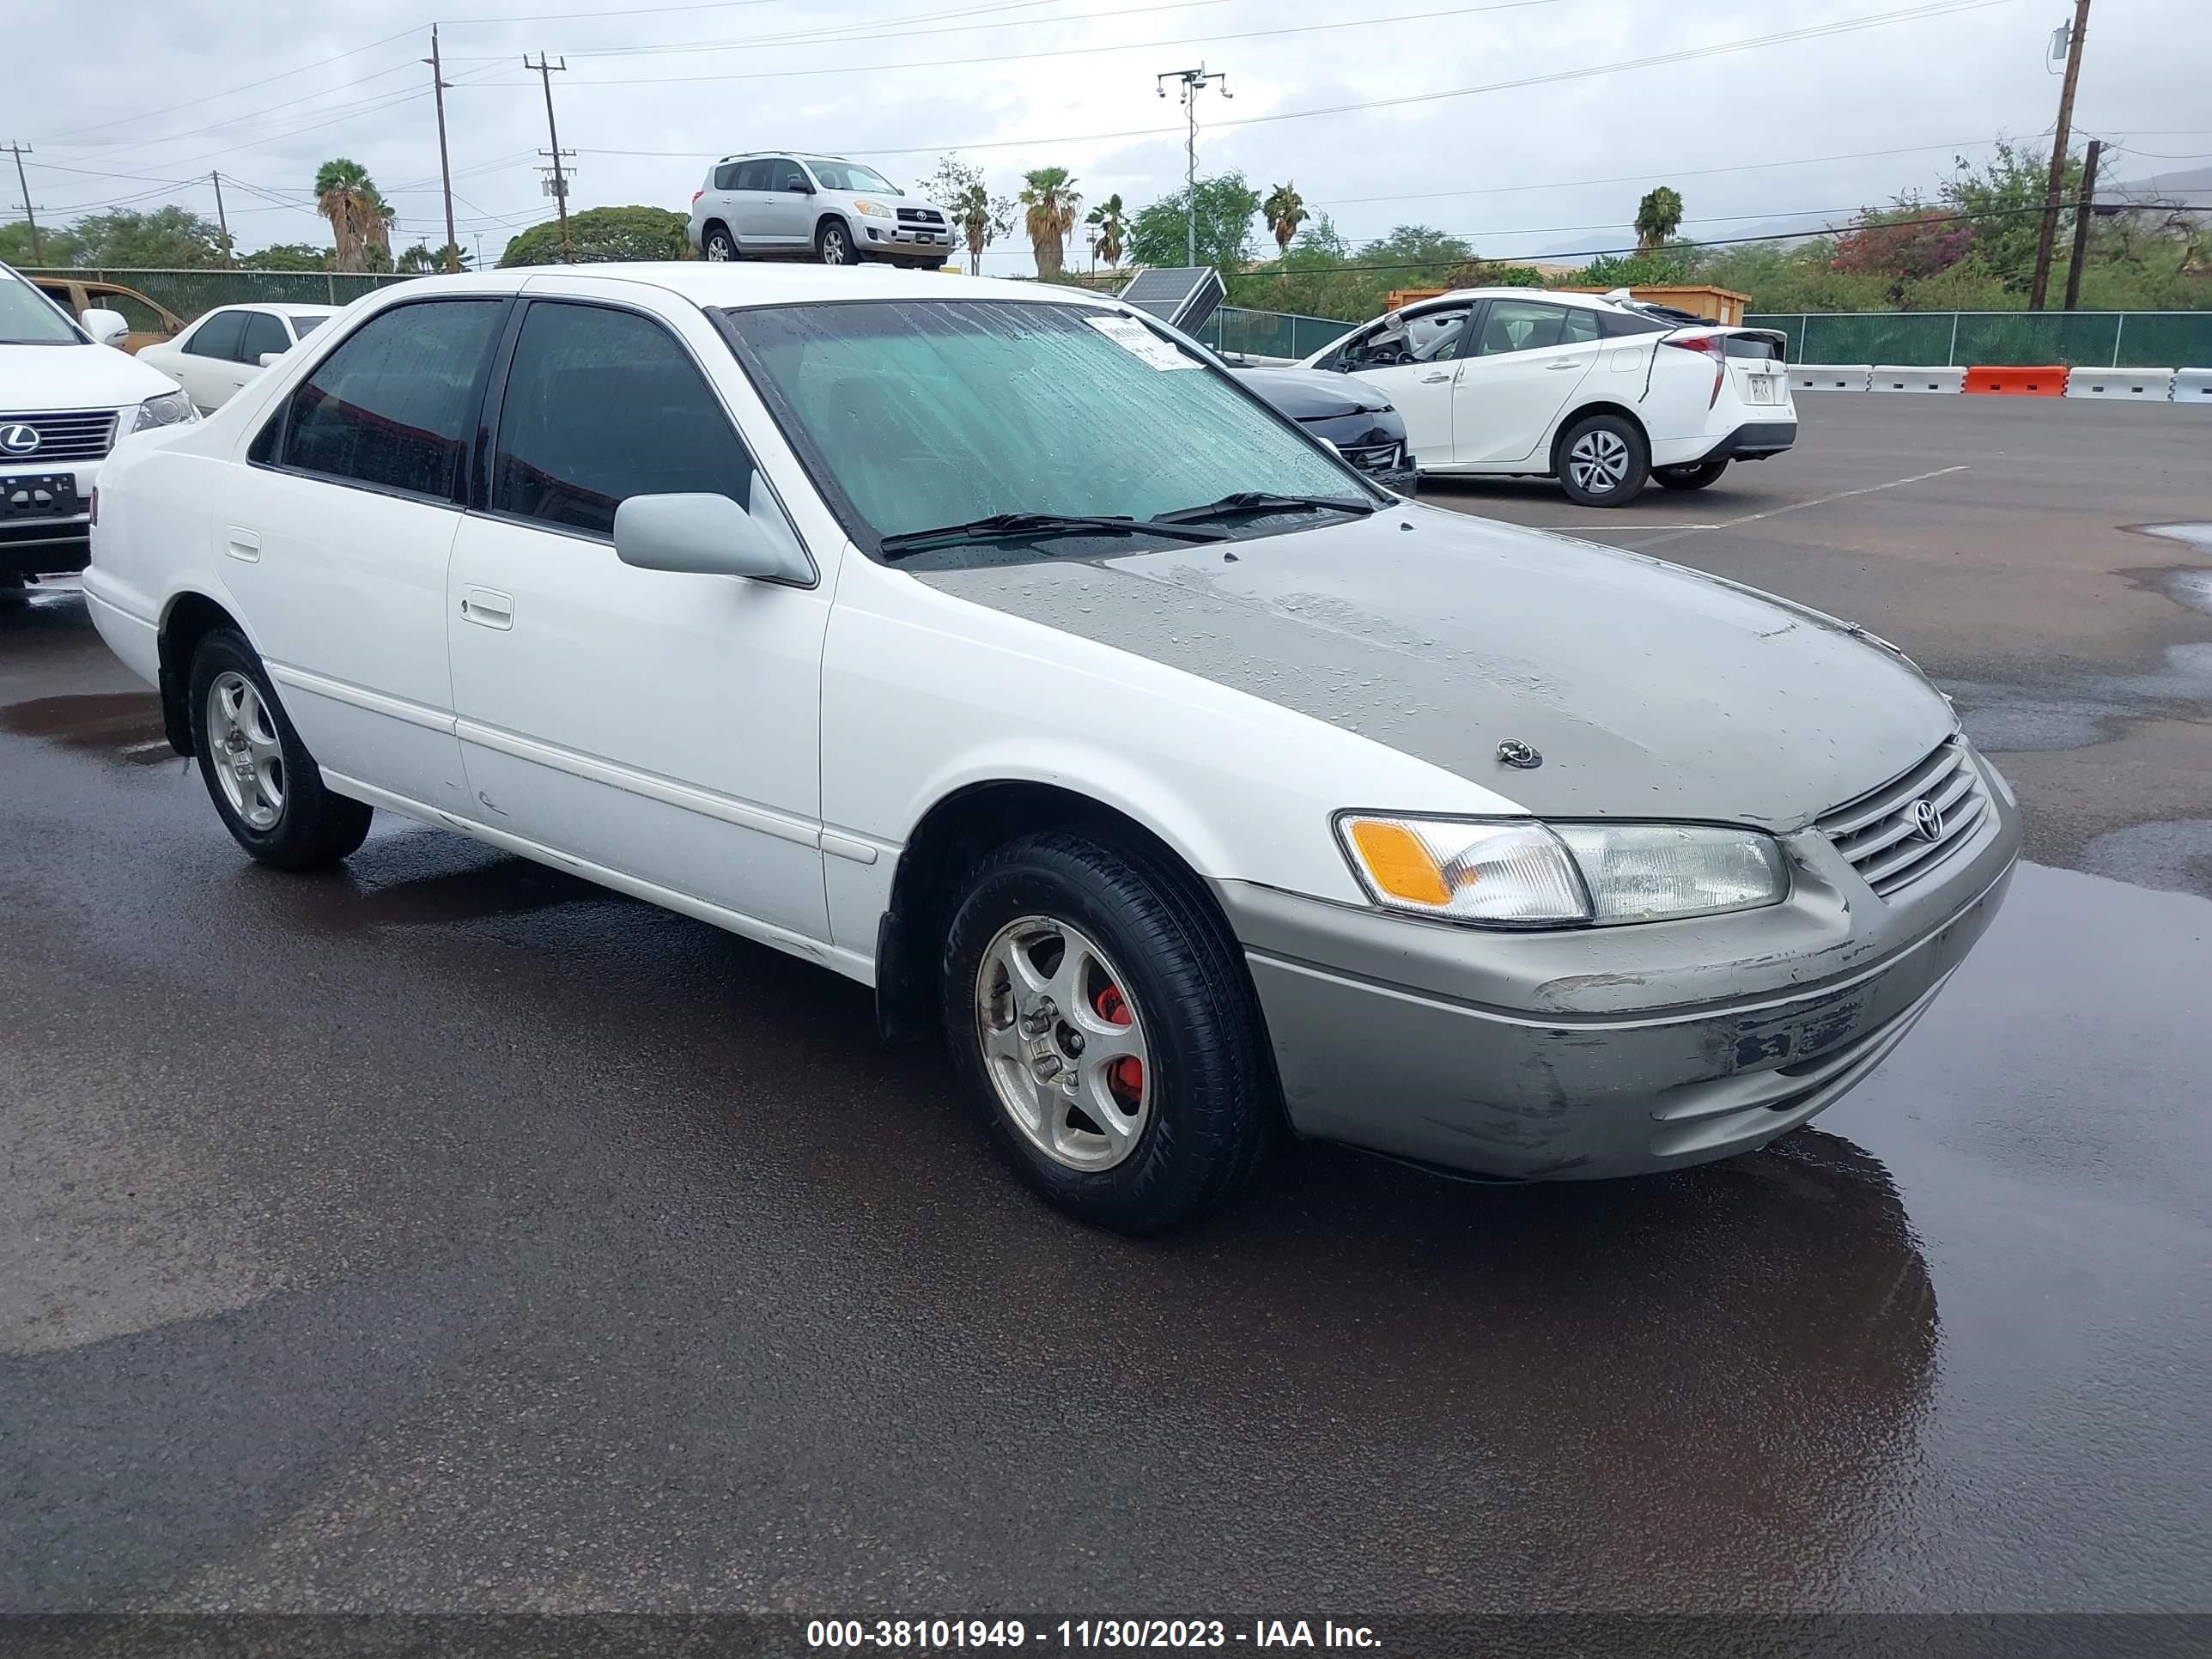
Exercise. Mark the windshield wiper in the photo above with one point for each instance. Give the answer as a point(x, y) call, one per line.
point(1250, 502)
point(1017, 526)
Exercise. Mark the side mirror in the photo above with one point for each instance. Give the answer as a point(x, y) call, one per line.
point(108, 328)
point(706, 535)
point(268, 357)
point(799, 187)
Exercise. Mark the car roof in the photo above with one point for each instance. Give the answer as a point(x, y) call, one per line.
point(800, 155)
point(1592, 301)
point(741, 283)
point(289, 307)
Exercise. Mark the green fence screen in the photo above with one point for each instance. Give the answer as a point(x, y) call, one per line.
point(1270, 333)
point(2097, 339)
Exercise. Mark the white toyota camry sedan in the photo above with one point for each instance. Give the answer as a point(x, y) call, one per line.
point(989, 643)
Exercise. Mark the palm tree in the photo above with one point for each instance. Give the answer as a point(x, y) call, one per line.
point(1108, 219)
point(1049, 193)
point(360, 217)
point(982, 221)
point(1285, 211)
point(1658, 217)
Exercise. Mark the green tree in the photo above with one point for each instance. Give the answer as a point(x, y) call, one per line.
point(286, 256)
point(167, 239)
point(56, 246)
point(423, 259)
point(2001, 198)
point(1110, 224)
point(602, 235)
point(980, 217)
point(1050, 201)
point(1284, 211)
point(360, 218)
point(1658, 217)
point(1159, 234)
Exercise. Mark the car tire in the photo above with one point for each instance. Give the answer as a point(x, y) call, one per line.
point(833, 244)
point(1146, 973)
point(718, 246)
point(265, 785)
point(1603, 460)
point(1696, 476)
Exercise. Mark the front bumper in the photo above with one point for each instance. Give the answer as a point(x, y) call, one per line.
point(45, 520)
point(930, 244)
point(1595, 1052)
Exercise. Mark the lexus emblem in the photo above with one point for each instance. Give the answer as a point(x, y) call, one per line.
point(1927, 820)
point(18, 439)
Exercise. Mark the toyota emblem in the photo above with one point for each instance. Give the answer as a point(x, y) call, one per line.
point(1927, 820)
point(18, 439)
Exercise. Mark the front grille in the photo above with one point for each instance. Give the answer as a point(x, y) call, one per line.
point(1372, 457)
point(1885, 834)
point(79, 435)
point(920, 217)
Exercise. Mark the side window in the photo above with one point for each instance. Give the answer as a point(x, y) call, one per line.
point(216, 335)
point(726, 176)
point(1581, 327)
point(787, 172)
point(263, 333)
point(303, 323)
point(561, 461)
point(1437, 337)
point(751, 175)
point(1614, 323)
point(1522, 325)
point(394, 405)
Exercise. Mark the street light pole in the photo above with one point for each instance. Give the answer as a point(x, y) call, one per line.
point(1193, 82)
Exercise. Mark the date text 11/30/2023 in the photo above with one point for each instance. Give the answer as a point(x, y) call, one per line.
point(940, 1634)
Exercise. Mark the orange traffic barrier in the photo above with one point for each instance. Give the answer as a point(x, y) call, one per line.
point(2047, 381)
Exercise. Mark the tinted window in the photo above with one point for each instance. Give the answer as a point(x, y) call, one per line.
point(394, 405)
point(216, 336)
point(784, 174)
point(753, 175)
point(1522, 325)
point(726, 176)
point(601, 405)
point(303, 326)
point(1614, 323)
point(263, 333)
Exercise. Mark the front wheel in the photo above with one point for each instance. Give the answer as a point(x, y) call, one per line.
point(1603, 461)
point(265, 785)
point(1689, 478)
point(1102, 1021)
point(833, 244)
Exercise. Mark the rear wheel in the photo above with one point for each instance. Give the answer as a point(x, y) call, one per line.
point(1603, 461)
point(265, 785)
point(833, 243)
point(1689, 478)
point(720, 245)
point(1102, 1021)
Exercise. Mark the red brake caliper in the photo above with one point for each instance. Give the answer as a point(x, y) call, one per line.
point(1127, 1075)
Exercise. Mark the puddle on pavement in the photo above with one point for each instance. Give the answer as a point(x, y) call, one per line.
point(2009, 716)
point(126, 724)
point(2175, 856)
point(2198, 537)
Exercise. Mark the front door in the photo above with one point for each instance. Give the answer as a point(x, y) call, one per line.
point(1529, 359)
point(789, 204)
point(660, 726)
point(1416, 369)
point(208, 356)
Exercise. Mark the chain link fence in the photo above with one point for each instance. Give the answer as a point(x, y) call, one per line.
point(1270, 333)
point(2093, 339)
point(189, 292)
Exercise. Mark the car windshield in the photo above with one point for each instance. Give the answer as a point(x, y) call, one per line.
point(925, 413)
point(28, 318)
point(850, 175)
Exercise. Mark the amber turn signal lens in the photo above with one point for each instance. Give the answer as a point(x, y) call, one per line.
point(1400, 862)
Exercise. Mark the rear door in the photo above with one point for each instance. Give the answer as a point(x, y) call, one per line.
point(1529, 356)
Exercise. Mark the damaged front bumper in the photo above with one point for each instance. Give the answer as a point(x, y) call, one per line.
point(1573, 1054)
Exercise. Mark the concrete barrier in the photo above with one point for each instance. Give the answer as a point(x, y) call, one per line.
point(2013, 380)
point(2192, 386)
point(1830, 377)
point(2142, 386)
point(1890, 377)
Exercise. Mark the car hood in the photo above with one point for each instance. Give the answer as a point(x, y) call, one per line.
point(1651, 691)
point(34, 377)
point(1314, 394)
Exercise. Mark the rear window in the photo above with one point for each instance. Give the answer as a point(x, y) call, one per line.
point(1756, 346)
point(1614, 323)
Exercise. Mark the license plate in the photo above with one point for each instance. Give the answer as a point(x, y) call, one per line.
point(51, 496)
point(1766, 388)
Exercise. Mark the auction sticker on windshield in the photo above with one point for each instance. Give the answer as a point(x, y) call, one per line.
point(1133, 338)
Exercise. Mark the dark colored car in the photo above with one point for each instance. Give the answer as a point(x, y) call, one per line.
point(1351, 415)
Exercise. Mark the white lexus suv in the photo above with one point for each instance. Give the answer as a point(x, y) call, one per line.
point(779, 204)
point(1600, 392)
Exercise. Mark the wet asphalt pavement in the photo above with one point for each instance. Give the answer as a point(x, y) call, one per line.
point(445, 1234)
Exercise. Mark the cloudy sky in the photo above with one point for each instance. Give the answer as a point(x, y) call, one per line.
point(1530, 126)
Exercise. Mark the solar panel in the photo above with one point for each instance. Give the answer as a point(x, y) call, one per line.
point(1182, 299)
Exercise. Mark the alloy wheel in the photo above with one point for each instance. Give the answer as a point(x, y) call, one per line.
point(244, 749)
point(1063, 1043)
point(1598, 462)
point(834, 252)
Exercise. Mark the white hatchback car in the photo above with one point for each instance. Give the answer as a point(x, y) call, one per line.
point(228, 346)
point(781, 204)
point(1597, 392)
point(993, 644)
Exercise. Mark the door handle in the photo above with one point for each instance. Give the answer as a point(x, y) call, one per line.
point(243, 544)
point(487, 607)
point(1566, 362)
point(1434, 380)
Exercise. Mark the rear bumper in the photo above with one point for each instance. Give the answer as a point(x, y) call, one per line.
point(1578, 1054)
point(1754, 440)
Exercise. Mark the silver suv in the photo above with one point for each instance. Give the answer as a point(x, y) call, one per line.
point(770, 204)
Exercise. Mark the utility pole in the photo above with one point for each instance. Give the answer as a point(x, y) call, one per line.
point(560, 180)
point(2048, 234)
point(223, 219)
point(38, 255)
point(2081, 211)
point(445, 167)
point(1193, 82)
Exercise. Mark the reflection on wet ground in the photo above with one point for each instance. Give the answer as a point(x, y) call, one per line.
point(124, 724)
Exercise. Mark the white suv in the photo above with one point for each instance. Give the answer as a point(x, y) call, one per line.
point(766, 203)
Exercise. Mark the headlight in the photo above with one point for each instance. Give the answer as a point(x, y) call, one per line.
point(167, 410)
point(873, 210)
point(1520, 874)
